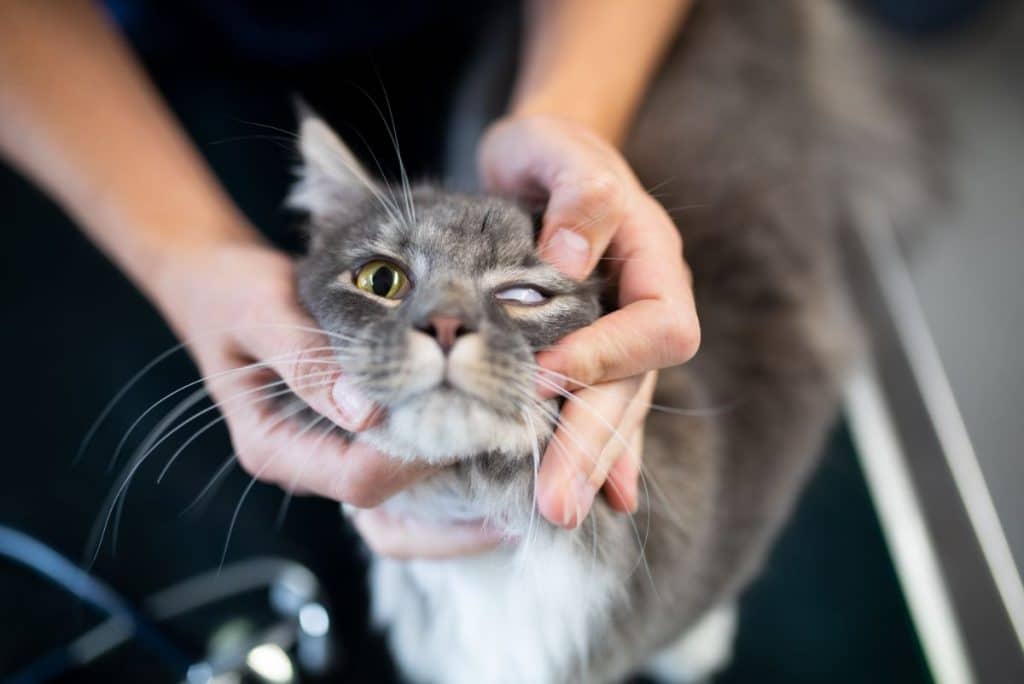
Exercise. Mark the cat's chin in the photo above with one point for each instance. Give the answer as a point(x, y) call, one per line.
point(447, 425)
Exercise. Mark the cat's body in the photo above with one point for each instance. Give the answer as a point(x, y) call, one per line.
point(741, 148)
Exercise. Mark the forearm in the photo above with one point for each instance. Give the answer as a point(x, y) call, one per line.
point(79, 117)
point(590, 60)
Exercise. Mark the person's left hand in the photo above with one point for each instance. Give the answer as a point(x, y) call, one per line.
point(596, 205)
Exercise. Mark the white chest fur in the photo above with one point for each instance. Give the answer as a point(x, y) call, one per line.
point(494, 618)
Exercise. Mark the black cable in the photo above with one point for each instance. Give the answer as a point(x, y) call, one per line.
point(44, 560)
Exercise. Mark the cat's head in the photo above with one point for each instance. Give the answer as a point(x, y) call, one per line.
point(436, 301)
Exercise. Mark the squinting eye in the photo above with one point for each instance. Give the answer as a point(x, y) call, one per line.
point(383, 279)
point(521, 294)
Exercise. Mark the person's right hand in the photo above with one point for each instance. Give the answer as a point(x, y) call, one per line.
point(237, 308)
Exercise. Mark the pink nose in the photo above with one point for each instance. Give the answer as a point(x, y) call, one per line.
point(445, 329)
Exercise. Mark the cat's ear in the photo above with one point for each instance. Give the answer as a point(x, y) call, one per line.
point(330, 178)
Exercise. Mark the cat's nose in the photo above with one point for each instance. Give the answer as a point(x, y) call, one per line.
point(444, 329)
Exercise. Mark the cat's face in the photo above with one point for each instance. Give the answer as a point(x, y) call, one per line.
point(436, 305)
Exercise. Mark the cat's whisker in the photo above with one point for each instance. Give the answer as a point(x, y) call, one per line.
point(142, 456)
point(560, 449)
point(145, 370)
point(231, 459)
point(524, 390)
point(289, 135)
point(653, 190)
point(647, 483)
point(615, 433)
point(148, 448)
point(222, 470)
point(278, 141)
point(269, 363)
point(559, 424)
point(409, 215)
point(290, 490)
point(255, 477)
point(641, 540)
point(528, 540)
point(392, 206)
point(662, 408)
point(687, 207)
point(393, 132)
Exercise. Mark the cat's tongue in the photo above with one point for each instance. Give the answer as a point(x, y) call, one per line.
point(406, 537)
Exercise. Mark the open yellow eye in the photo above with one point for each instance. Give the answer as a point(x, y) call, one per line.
point(383, 279)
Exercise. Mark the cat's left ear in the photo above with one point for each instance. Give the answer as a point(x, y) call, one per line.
point(330, 176)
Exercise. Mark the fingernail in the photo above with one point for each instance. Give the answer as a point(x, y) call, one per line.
point(352, 405)
point(578, 503)
point(569, 252)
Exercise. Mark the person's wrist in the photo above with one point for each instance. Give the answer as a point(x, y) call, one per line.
point(602, 122)
point(178, 271)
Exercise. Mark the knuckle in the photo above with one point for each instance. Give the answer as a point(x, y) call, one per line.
point(675, 240)
point(592, 367)
point(253, 459)
point(604, 192)
point(356, 491)
point(596, 195)
point(682, 338)
point(362, 497)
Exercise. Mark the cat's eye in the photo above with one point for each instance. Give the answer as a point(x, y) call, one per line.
point(382, 278)
point(521, 294)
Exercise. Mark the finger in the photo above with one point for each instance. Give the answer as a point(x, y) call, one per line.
point(299, 454)
point(294, 350)
point(656, 327)
point(406, 538)
point(571, 471)
point(584, 179)
point(587, 204)
point(351, 473)
point(620, 489)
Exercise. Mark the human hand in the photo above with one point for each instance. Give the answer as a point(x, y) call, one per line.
point(236, 305)
point(597, 206)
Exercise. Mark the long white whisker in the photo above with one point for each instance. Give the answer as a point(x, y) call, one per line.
point(209, 378)
point(139, 460)
point(615, 433)
point(289, 493)
point(535, 449)
point(221, 471)
point(707, 412)
point(392, 207)
point(524, 388)
point(120, 394)
point(410, 211)
point(252, 482)
point(216, 421)
point(148, 448)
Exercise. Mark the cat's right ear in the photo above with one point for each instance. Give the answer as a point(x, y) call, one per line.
point(330, 178)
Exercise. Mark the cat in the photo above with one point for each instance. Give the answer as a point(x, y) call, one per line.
point(439, 300)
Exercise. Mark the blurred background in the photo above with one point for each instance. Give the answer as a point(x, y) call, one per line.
point(901, 565)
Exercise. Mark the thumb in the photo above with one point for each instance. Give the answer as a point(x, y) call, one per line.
point(302, 355)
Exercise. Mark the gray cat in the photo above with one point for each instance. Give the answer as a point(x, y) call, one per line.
point(441, 302)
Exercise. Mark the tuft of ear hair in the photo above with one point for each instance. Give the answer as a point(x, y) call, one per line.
point(329, 176)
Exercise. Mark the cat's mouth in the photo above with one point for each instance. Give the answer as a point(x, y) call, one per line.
point(463, 375)
point(457, 405)
point(451, 395)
